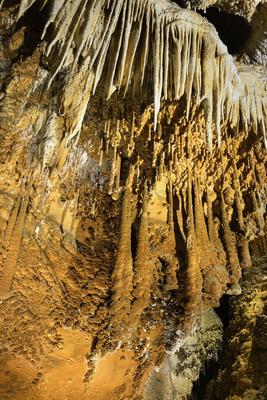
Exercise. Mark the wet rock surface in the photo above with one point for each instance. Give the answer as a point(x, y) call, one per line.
point(124, 217)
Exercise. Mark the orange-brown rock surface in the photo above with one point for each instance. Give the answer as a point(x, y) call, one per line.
point(132, 190)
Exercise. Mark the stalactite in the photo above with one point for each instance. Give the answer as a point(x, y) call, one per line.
point(231, 251)
point(170, 254)
point(113, 171)
point(116, 193)
point(213, 275)
point(107, 135)
point(131, 144)
point(259, 217)
point(156, 151)
point(100, 152)
point(244, 242)
point(183, 55)
point(149, 132)
point(219, 278)
point(143, 267)
point(213, 234)
point(180, 218)
point(75, 101)
point(122, 276)
point(208, 67)
point(25, 5)
point(130, 292)
point(116, 163)
point(12, 220)
point(161, 169)
point(194, 277)
point(201, 230)
point(245, 254)
point(14, 234)
point(170, 188)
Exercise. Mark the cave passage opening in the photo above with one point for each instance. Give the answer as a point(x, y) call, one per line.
point(233, 30)
point(34, 19)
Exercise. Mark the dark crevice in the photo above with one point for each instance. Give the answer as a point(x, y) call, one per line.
point(233, 30)
point(223, 310)
point(34, 19)
point(133, 241)
point(180, 3)
point(180, 242)
point(209, 371)
point(9, 3)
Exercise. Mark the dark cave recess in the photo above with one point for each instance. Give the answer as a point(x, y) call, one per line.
point(233, 29)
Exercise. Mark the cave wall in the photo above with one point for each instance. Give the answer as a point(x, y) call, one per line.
point(124, 218)
point(242, 374)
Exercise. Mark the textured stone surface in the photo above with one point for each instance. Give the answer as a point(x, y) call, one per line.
point(182, 366)
point(256, 46)
point(244, 368)
point(116, 235)
point(245, 8)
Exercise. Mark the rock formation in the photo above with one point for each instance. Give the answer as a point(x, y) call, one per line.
point(133, 188)
point(243, 369)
